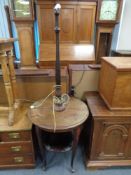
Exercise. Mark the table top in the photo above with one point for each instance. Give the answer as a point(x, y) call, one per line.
point(22, 122)
point(73, 116)
point(99, 109)
point(68, 52)
point(119, 63)
point(7, 40)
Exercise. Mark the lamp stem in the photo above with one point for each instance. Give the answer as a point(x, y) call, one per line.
point(57, 64)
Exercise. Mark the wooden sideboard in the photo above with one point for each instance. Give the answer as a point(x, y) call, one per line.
point(110, 139)
point(16, 145)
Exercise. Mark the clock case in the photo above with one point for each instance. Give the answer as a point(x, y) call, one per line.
point(26, 18)
point(99, 5)
point(104, 31)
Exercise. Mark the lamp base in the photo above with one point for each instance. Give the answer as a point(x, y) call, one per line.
point(60, 103)
point(59, 107)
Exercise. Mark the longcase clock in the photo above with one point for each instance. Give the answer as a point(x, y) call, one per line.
point(108, 15)
point(23, 16)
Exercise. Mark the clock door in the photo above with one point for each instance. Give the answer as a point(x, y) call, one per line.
point(22, 9)
point(108, 11)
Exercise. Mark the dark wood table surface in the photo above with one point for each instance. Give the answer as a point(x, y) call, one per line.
point(69, 120)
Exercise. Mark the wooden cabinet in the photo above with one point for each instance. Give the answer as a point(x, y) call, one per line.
point(115, 82)
point(76, 21)
point(16, 144)
point(111, 141)
point(111, 135)
point(16, 149)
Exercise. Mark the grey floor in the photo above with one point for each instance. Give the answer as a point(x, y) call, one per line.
point(59, 164)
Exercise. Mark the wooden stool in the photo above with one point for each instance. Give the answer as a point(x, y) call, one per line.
point(7, 66)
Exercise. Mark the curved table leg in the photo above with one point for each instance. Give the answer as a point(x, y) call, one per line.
point(41, 146)
point(76, 133)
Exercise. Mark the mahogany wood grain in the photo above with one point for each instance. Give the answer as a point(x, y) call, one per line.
point(16, 145)
point(74, 115)
point(18, 136)
point(11, 161)
point(15, 148)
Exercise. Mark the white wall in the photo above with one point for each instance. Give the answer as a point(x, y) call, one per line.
point(122, 32)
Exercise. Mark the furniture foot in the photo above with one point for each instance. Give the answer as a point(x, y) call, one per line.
point(76, 134)
point(11, 117)
point(73, 170)
point(44, 167)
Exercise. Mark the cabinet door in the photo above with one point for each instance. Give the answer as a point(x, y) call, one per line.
point(86, 21)
point(46, 23)
point(110, 140)
point(68, 23)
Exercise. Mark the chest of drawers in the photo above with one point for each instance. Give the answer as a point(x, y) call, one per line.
point(16, 145)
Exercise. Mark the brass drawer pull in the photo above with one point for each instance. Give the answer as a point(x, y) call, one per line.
point(14, 135)
point(16, 148)
point(18, 159)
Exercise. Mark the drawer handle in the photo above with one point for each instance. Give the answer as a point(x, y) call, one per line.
point(16, 148)
point(18, 159)
point(14, 135)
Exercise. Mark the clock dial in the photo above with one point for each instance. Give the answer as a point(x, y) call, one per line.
point(21, 8)
point(108, 10)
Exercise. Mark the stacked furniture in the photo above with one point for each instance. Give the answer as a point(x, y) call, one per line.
point(16, 146)
point(110, 141)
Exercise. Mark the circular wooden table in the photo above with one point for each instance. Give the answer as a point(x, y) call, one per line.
point(71, 119)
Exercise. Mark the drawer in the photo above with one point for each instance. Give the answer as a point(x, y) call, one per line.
point(15, 136)
point(16, 147)
point(17, 160)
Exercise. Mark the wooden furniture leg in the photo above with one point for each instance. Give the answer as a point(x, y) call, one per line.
point(9, 92)
point(13, 78)
point(76, 133)
point(41, 146)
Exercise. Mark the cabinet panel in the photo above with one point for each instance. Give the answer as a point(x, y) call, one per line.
point(86, 21)
point(68, 23)
point(76, 22)
point(112, 141)
point(47, 23)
